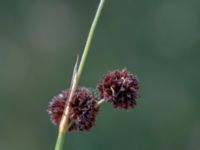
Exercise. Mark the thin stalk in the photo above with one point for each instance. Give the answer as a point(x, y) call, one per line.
point(61, 138)
point(61, 135)
point(100, 102)
point(89, 39)
point(60, 141)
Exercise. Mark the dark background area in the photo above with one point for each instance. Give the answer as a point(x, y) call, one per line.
point(157, 40)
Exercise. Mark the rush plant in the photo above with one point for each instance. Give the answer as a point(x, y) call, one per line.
point(76, 108)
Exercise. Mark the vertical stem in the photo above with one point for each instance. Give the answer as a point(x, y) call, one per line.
point(60, 141)
point(61, 135)
point(89, 39)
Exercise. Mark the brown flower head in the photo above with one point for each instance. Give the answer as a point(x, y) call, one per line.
point(120, 88)
point(83, 109)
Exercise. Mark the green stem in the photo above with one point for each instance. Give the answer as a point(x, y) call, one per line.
point(60, 141)
point(61, 135)
point(61, 138)
point(89, 39)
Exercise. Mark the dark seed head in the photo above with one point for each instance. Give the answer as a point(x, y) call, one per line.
point(120, 88)
point(83, 109)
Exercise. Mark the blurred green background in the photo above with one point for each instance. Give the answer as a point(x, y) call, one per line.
point(157, 40)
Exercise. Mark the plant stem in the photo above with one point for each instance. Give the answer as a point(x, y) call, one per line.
point(61, 138)
point(61, 135)
point(60, 141)
point(89, 39)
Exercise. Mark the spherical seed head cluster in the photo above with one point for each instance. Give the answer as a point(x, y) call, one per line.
point(120, 88)
point(56, 107)
point(83, 109)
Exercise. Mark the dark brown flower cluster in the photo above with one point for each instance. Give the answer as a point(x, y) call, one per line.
point(83, 109)
point(120, 88)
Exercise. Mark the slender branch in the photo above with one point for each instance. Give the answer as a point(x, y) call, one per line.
point(65, 124)
point(89, 39)
point(100, 102)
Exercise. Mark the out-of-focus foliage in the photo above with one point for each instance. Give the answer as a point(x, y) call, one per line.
point(157, 40)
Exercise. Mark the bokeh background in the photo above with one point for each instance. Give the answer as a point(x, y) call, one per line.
point(157, 40)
